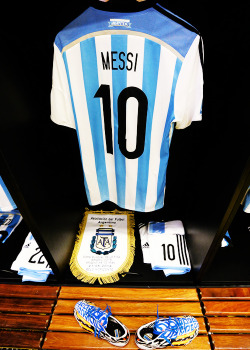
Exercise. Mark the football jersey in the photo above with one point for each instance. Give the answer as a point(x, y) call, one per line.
point(164, 247)
point(6, 201)
point(122, 80)
point(246, 201)
point(8, 222)
point(30, 262)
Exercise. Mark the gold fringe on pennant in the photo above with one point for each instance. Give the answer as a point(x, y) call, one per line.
point(86, 277)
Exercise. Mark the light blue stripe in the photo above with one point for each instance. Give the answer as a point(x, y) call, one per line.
point(156, 227)
point(91, 82)
point(152, 52)
point(164, 153)
point(8, 195)
point(119, 78)
point(76, 124)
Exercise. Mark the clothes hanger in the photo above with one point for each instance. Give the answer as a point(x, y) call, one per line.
point(122, 5)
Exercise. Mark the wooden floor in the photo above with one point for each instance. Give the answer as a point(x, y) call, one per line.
point(41, 317)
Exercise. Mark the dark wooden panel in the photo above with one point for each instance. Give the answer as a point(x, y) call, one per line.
point(26, 305)
point(225, 293)
point(20, 321)
point(83, 341)
point(224, 308)
point(28, 291)
point(18, 339)
point(69, 323)
point(231, 341)
point(128, 293)
point(136, 308)
point(229, 324)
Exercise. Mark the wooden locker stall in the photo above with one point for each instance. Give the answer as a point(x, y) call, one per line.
point(41, 165)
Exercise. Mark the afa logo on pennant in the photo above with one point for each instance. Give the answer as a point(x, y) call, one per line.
point(104, 241)
point(105, 246)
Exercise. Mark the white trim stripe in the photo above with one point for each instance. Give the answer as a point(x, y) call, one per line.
point(134, 78)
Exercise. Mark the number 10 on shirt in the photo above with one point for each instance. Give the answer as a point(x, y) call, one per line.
point(130, 92)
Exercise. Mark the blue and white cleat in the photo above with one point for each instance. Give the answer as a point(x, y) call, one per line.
point(163, 332)
point(101, 323)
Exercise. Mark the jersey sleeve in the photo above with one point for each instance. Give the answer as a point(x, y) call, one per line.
point(189, 88)
point(61, 106)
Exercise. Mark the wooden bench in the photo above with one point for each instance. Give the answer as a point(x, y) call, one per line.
point(228, 314)
point(132, 306)
point(25, 312)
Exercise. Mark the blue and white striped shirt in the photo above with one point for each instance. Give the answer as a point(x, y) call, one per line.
point(122, 80)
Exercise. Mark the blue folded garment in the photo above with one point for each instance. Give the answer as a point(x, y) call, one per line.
point(33, 275)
